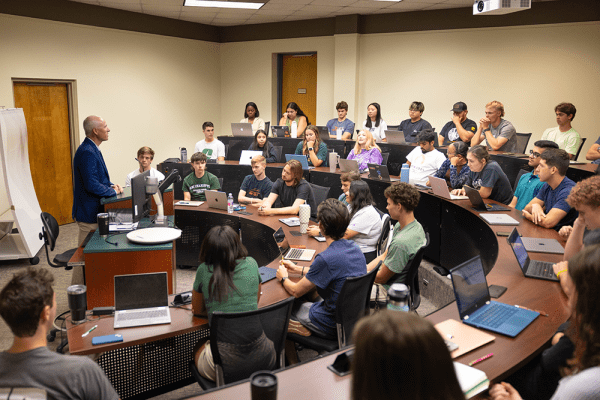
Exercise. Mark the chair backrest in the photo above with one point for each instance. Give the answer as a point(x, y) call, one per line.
point(519, 175)
point(352, 304)
point(277, 150)
point(579, 149)
point(323, 130)
point(226, 327)
point(384, 157)
point(522, 141)
point(384, 235)
point(220, 182)
point(50, 230)
point(267, 127)
point(412, 281)
point(393, 127)
point(321, 193)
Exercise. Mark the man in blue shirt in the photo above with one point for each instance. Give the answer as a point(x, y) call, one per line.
point(256, 187)
point(549, 209)
point(341, 123)
point(529, 183)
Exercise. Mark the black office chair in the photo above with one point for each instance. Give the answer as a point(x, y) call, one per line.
point(522, 142)
point(392, 127)
point(267, 127)
point(221, 183)
point(519, 175)
point(323, 130)
point(351, 305)
point(223, 326)
point(49, 234)
point(321, 193)
point(226, 151)
point(385, 232)
point(278, 150)
point(385, 157)
point(579, 149)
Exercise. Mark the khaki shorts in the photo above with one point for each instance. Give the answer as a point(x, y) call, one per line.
point(206, 364)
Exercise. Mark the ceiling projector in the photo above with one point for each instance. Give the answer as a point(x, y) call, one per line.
point(498, 7)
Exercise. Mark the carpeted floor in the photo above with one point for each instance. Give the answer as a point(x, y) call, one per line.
point(67, 240)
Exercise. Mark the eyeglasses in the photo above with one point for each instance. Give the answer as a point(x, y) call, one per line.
point(534, 154)
point(413, 111)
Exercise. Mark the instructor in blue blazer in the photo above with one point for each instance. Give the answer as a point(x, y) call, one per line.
point(91, 180)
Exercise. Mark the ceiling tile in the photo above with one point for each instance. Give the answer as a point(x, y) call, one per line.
point(135, 7)
point(281, 7)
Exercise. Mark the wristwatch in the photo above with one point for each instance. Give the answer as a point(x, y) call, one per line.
point(487, 130)
point(310, 149)
point(283, 279)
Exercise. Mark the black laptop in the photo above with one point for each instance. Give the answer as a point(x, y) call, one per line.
point(478, 203)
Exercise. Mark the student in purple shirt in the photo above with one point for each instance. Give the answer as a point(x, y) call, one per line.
point(365, 151)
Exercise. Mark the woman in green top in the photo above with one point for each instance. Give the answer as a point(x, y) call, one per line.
point(313, 147)
point(228, 280)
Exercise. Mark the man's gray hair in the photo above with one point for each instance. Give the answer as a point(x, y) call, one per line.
point(90, 123)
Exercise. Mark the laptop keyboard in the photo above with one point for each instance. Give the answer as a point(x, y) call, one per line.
point(295, 253)
point(540, 268)
point(142, 315)
point(495, 315)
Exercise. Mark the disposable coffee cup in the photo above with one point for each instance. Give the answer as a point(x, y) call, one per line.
point(263, 386)
point(103, 224)
point(77, 299)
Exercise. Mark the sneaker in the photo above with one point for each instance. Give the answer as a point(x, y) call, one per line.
point(297, 328)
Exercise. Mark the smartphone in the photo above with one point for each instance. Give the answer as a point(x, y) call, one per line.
point(503, 234)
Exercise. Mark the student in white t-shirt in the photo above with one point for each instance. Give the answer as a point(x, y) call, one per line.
point(145, 155)
point(375, 123)
point(213, 148)
point(424, 160)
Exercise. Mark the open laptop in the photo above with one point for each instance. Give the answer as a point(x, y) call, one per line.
point(280, 131)
point(530, 268)
point(379, 172)
point(440, 188)
point(478, 203)
point(216, 200)
point(348, 165)
point(291, 254)
point(247, 156)
point(299, 157)
point(475, 306)
point(395, 137)
point(141, 299)
point(241, 129)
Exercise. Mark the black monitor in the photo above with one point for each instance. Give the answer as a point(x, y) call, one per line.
point(140, 202)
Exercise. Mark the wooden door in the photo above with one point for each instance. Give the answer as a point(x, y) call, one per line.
point(46, 110)
point(299, 84)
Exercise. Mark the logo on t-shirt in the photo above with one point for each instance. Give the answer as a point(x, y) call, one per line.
point(208, 152)
point(453, 135)
point(254, 193)
point(473, 128)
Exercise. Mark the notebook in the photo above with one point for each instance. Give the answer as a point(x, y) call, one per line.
point(478, 203)
point(292, 254)
point(540, 245)
point(530, 268)
point(440, 188)
point(141, 299)
point(280, 131)
point(379, 172)
point(471, 380)
point(395, 137)
point(216, 200)
point(348, 165)
point(241, 129)
point(247, 156)
point(475, 306)
point(299, 157)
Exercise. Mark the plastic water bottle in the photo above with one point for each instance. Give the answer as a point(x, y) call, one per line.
point(338, 133)
point(230, 203)
point(398, 297)
point(404, 173)
point(294, 132)
point(183, 155)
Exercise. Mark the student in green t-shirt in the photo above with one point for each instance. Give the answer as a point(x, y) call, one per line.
point(200, 180)
point(407, 239)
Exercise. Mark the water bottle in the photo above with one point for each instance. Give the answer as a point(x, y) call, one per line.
point(183, 154)
point(230, 203)
point(398, 297)
point(338, 133)
point(404, 173)
point(294, 132)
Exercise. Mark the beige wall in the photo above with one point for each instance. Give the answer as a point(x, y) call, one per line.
point(152, 90)
point(157, 90)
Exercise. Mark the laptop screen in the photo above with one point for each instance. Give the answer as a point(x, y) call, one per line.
point(141, 291)
point(281, 241)
point(518, 248)
point(470, 286)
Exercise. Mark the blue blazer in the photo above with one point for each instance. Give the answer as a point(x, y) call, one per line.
point(91, 182)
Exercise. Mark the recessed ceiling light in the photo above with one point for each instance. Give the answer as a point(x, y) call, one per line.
point(223, 4)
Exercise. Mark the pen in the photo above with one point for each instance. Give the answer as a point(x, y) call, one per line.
point(480, 359)
point(529, 309)
point(88, 332)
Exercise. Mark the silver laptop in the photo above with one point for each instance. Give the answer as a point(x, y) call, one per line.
point(540, 245)
point(216, 200)
point(247, 156)
point(141, 299)
point(241, 129)
point(291, 254)
point(348, 165)
point(301, 158)
point(440, 188)
point(395, 137)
